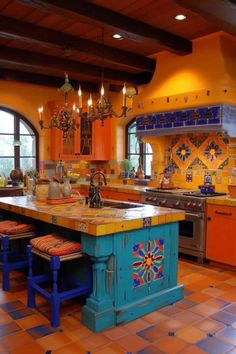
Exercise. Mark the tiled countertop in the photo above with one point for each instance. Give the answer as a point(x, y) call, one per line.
point(223, 200)
point(116, 187)
point(95, 222)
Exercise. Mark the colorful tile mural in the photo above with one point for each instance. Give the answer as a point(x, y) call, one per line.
point(208, 151)
point(148, 260)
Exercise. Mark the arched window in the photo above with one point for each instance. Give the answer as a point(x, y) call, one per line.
point(18, 142)
point(136, 149)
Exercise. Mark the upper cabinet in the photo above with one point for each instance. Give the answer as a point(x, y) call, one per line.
point(91, 141)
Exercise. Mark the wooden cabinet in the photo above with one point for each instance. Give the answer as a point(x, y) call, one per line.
point(116, 195)
point(129, 197)
point(11, 191)
point(221, 235)
point(90, 141)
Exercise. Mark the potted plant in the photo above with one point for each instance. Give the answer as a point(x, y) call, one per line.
point(126, 166)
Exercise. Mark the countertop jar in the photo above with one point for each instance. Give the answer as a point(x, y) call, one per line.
point(42, 190)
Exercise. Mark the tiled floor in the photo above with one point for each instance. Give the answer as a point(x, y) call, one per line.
point(203, 322)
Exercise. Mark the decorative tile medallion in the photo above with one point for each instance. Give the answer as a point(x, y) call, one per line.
point(148, 261)
point(212, 151)
point(183, 152)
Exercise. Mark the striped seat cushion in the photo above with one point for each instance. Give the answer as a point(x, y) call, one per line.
point(55, 245)
point(10, 227)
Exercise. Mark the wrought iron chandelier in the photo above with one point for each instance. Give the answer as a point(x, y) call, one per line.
point(64, 117)
point(102, 108)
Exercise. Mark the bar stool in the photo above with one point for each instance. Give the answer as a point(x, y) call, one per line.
point(13, 252)
point(57, 249)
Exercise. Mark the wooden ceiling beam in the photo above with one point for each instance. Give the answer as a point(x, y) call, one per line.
point(220, 13)
point(20, 30)
point(104, 16)
point(42, 61)
point(45, 80)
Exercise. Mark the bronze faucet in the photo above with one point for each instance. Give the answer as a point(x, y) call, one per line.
point(94, 197)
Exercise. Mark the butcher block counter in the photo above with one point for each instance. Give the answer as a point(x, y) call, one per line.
point(134, 253)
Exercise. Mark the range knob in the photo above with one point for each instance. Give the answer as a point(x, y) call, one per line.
point(149, 199)
point(177, 203)
point(199, 205)
point(163, 202)
point(188, 204)
point(194, 205)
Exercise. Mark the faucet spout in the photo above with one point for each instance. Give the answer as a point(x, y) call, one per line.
point(94, 196)
point(98, 173)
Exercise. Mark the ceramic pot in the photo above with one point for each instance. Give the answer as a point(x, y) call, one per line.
point(54, 190)
point(42, 190)
point(66, 188)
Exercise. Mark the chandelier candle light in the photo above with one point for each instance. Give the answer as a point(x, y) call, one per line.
point(64, 118)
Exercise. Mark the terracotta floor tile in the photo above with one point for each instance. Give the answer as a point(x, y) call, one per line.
point(78, 334)
point(29, 348)
point(231, 281)
point(198, 297)
point(214, 292)
point(95, 340)
point(5, 296)
point(112, 348)
point(53, 341)
point(136, 325)
point(229, 296)
point(227, 335)
point(192, 349)
point(5, 318)
point(190, 334)
point(231, 309)
point(217, 303)
point(171, 324)
point(171, 345)
point(15, 340)
point(32, 321)
point(187, 317)
point(225, 287)
point(153, 332)
point(169, 310)
point(72, 348)
point(209, 326)
point(185, 304)
point(154, 317)
point(151, 349)
point(203, 309)
point(116, 332)
point(133, 343)
point(69, 322)
point(214, 346)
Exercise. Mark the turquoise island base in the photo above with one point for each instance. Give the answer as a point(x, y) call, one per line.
point(134, 254)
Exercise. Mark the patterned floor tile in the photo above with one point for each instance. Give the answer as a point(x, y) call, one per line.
point(12, 306)
point(152, 333)
point(214, 346)
point(187, 317)
point(53, 341)
point(224, 316)
point(24, 312)
point(16, 340)
point(227, 335)
point(9, 328)
point(40, 331)
point(149, 350)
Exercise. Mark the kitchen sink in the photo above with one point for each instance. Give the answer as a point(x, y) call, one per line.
point(119, 205)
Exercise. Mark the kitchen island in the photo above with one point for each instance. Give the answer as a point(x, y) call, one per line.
point(134, 252)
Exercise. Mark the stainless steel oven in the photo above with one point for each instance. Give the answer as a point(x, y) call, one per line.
point(192, 230)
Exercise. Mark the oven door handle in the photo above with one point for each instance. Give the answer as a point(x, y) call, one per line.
point(198, 216)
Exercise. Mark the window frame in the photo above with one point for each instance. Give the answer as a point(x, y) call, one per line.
point(142, 148)
point(16, 134)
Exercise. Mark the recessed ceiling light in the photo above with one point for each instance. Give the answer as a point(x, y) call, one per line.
point(117, 36)
point(180, 17)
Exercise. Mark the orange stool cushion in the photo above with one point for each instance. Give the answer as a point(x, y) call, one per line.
point(55, 245)
point(10, 227)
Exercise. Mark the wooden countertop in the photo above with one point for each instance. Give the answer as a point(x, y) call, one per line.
point(222, 200)
point(95, 222)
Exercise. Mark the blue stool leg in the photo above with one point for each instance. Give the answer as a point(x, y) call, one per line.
point(55, 296)
point(5, 265)
point(30, 282)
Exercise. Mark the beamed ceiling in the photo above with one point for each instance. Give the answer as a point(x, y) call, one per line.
point(41, 39)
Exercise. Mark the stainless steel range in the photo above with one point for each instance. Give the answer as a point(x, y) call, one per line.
point(192, 230)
